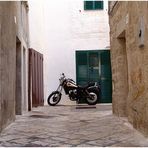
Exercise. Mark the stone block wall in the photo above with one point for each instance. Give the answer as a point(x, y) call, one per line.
point(11, 29)
point(129, 57)
point(7, 64)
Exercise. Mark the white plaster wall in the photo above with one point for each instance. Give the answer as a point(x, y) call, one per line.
point(67, 28)
point(36, 24)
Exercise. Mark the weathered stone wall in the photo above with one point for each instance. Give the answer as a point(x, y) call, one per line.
point(129, 57)
point(7, 63)
point(10, 28)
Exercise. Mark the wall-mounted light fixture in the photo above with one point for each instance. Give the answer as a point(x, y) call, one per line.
point(141, 31)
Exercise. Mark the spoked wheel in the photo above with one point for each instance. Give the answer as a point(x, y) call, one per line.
point(94, 96)
point(54, 98)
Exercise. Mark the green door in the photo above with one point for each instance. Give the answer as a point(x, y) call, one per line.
point(82, 68)
point(106, 77)
point(94, 66)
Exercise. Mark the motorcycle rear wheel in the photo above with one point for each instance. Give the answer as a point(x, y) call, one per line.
point(94, 93)
point(54, 98)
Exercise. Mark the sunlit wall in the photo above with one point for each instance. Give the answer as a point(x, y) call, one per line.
point(58, 29)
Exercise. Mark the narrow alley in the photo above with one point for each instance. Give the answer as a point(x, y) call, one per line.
point(71, 125)
point(99, 48)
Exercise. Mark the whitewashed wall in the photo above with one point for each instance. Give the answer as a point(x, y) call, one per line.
point(36, 24)
point(67, 28)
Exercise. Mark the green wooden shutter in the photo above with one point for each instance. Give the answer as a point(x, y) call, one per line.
point(88, 5)
point(98, 5)
point(93, 5)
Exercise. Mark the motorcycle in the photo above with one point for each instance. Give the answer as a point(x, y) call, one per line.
point(90, 92)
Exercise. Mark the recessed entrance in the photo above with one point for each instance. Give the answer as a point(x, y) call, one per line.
point(24, 81)
point(18, 90)
point(123, 69)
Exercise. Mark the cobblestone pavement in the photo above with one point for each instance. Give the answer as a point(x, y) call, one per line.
point(67, 126)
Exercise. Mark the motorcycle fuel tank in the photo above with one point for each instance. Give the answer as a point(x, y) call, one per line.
point(72, 85)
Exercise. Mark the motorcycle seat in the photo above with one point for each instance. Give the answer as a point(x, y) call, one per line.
point(87, 85)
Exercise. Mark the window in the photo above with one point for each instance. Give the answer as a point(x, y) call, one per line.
point(93, 5)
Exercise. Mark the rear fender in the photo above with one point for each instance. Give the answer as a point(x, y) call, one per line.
point(92, 87)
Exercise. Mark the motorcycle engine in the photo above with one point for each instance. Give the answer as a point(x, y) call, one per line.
point(73, 95)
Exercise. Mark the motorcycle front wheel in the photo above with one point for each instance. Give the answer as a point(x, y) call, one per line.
point(54, 98)
point(93, 100)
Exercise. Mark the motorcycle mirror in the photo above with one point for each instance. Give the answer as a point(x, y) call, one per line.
point(63, 74)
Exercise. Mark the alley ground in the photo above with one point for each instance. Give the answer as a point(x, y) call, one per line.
point(73, 125)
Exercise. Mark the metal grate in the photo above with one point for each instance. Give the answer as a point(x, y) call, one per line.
point(42, 116)
point(85, 107)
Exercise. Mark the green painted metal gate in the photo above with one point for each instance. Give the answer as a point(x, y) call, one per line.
point(95, 66)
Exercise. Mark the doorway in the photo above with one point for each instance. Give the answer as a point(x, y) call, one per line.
point(95, 66)
point(124, 79)
point(24, 72)
point(18, 90)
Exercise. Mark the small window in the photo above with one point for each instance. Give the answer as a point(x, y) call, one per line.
point(93, 5)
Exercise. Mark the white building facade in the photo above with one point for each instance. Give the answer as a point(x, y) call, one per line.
point(63, 28)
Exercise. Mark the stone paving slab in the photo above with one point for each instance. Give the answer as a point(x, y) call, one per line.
point(67, 126)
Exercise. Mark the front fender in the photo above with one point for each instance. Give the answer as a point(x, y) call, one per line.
point(57, 92)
